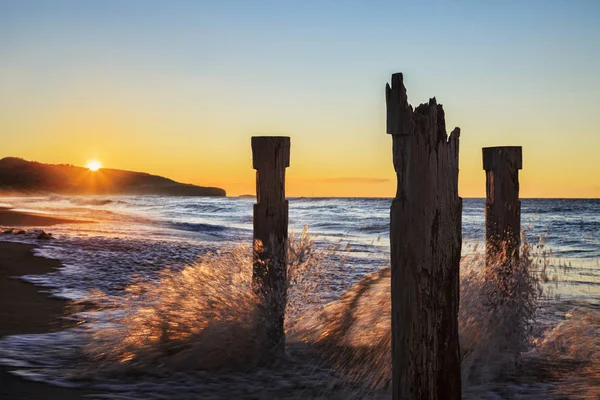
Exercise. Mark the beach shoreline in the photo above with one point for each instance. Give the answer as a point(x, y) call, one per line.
point(25, 309)
point(11, 217)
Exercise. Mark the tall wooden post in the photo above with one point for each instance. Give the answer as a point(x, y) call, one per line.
point(425, 236)
point(502, 206)
point(270, 157)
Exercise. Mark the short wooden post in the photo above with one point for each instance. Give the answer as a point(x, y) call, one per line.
point(425, 236)
point(270, 157)
point(502, 206)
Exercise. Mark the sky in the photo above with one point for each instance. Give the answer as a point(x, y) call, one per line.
point(177, 88)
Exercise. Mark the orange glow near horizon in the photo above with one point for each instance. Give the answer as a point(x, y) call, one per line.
point(332, 155)
point(346, 162)
point(322, 166)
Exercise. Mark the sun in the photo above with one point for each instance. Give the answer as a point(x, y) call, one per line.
point(93, 165)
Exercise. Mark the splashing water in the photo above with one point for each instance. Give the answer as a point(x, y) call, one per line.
point(191, 331)
point(200, 322)
point(206, 308)
point(202, 317)
point(569, 354)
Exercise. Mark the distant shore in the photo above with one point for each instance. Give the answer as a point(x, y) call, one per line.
point(19, 175)
point(25, 310)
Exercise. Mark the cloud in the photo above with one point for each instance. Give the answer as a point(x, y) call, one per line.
point(354, 179)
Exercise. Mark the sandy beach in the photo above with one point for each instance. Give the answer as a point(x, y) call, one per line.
point(9, 217)
point(24, 309)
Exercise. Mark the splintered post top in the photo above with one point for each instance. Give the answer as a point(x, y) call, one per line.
point(399, 112)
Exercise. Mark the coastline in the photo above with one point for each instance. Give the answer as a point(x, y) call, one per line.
point(26, 310)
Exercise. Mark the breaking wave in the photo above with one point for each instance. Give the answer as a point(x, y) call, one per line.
point(200, 320)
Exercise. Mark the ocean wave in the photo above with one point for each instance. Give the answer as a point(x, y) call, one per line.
point(82, 201)
point(377, 228)
point(207, 208)
point(190, 332)
point(198, 227)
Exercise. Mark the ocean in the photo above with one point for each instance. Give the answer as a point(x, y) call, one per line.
point(139, 240)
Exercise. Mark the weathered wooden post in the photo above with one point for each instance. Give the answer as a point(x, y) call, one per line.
point(270, 157)
point(425, 236)
point(502, 206)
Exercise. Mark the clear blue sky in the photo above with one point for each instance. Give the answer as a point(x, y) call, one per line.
point(195, 79)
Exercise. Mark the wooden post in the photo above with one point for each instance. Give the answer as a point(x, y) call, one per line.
point(502, 206)
point(270, 157)
point(425, 236)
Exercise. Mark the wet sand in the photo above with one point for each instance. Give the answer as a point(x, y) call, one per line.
point(24, 309)
point(9, 217)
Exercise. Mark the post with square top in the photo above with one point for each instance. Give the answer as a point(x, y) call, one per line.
point(270, 157)
point(502, 205)
point(425, 239)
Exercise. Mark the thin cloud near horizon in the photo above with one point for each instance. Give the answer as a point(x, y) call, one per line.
point(354, 179)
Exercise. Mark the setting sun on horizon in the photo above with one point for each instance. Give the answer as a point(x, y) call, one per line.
point(93, 165)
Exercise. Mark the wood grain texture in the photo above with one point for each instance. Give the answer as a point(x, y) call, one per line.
point(425, 237)
point(270, 157)
point(502, 205)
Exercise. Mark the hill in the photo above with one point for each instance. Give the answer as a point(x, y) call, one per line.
point(21, 176)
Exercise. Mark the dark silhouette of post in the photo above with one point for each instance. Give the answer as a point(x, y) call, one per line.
point(425, 237)
point(502, 206)
point(270, 157)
